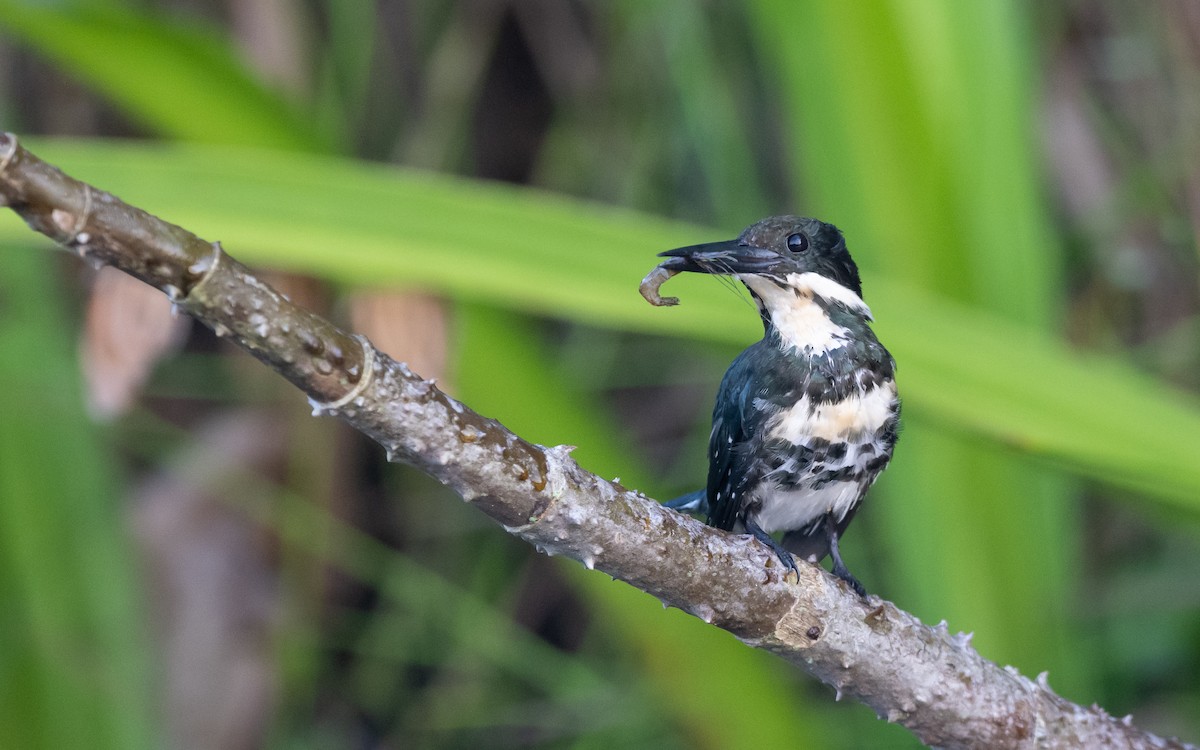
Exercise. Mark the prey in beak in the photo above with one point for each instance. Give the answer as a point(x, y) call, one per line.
point(726, 258)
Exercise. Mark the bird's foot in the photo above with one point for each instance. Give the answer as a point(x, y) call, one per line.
point(839, 571)
point(839, 568)
point(785, 557)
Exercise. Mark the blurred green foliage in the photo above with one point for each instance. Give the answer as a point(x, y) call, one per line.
point(73, 668)
point(909, 124)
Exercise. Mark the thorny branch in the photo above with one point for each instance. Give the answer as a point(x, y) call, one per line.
point(928, 680)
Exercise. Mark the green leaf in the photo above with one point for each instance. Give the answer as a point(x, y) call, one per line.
point(549, 255)
point(74, 669)
point(177, 80)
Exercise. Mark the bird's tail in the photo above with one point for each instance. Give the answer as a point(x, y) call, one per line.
point(695, 503)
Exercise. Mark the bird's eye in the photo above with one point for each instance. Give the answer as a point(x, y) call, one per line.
point(797, 243)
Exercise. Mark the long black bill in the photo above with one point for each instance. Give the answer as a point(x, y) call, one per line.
point(727, 257)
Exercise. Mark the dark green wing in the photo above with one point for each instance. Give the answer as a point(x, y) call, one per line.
point(734, 466)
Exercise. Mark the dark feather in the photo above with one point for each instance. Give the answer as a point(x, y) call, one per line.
point(735, 455)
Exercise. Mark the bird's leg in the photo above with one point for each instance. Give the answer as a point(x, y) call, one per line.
point(784, 556)
point(839, 567)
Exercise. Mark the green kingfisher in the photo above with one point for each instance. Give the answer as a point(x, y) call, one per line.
point(805, 419)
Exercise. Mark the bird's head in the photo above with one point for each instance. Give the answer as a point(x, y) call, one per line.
point(781, 250)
